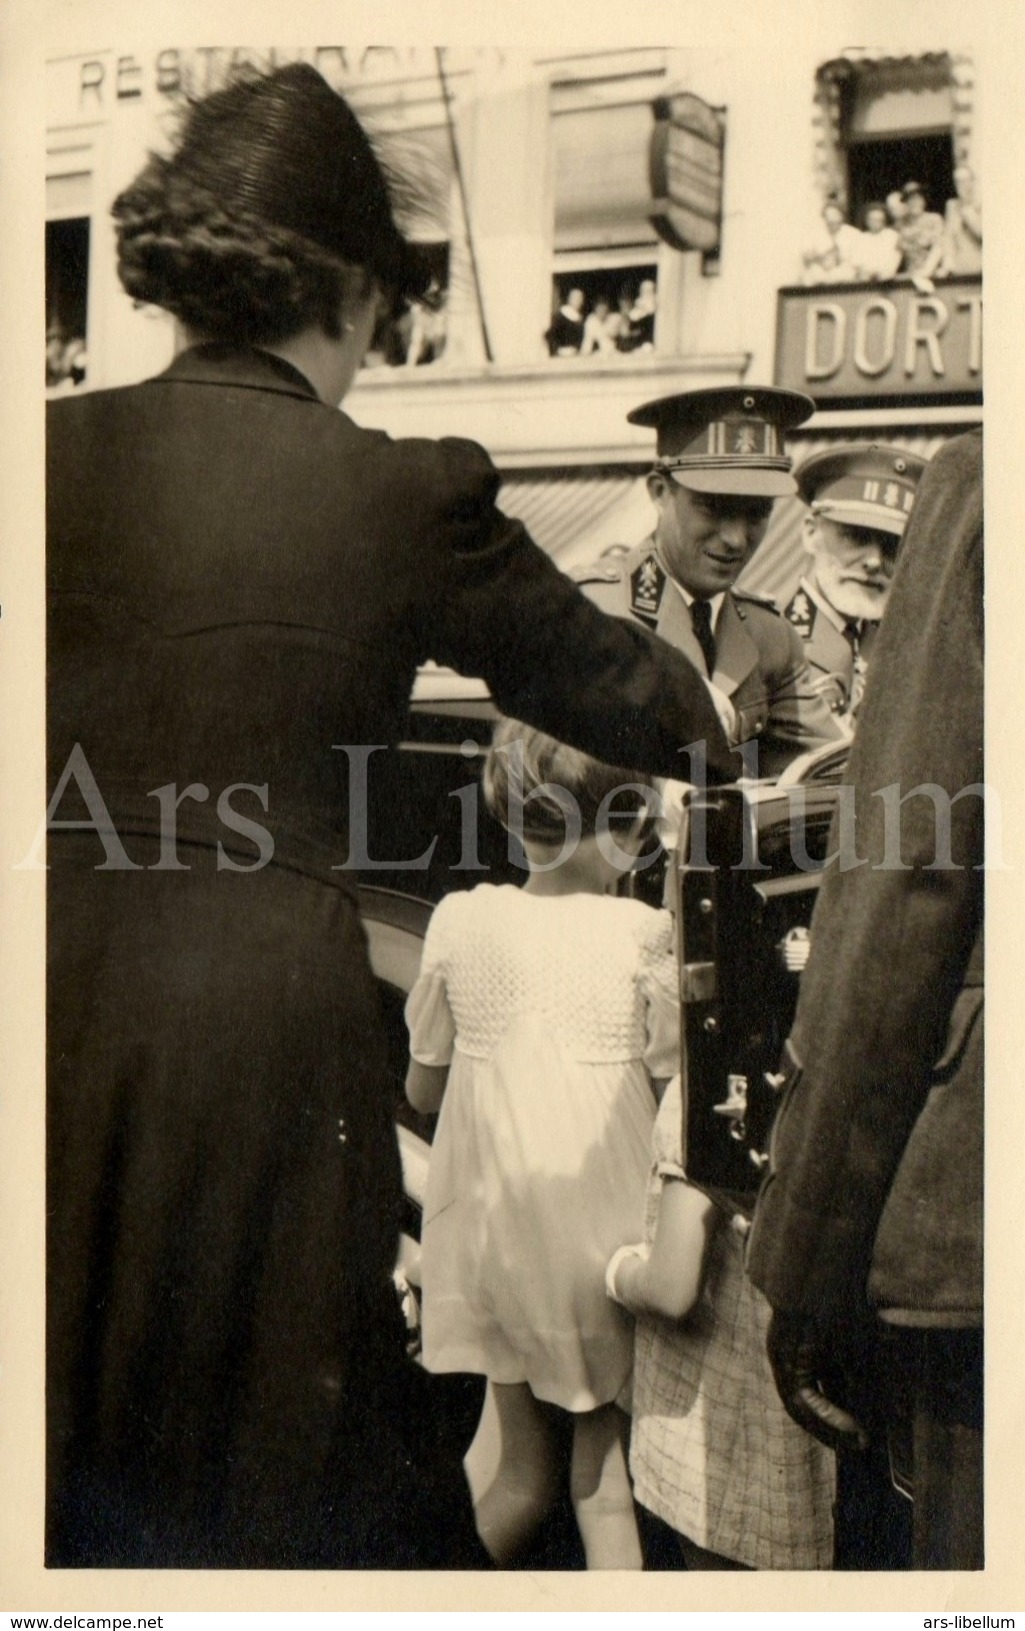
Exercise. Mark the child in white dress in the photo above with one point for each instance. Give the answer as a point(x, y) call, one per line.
point(540, 1018)
point(713, 1452)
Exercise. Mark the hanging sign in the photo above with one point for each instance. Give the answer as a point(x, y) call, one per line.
point(685, 168)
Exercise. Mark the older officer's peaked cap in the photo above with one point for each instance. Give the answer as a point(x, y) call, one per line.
point(727, 440)
point(862, 486)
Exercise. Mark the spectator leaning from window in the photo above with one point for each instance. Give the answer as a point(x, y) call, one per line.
point(241, 582)
point(597, 336)
point(879, 249)
point(642, 315)
point(626, 332)
point(567, 331)
point(56, 349)
point(920, 234)
point(834, 254)
point(66, 361)
point(962, 233)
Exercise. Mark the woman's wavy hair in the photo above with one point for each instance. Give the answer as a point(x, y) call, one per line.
point(220, 269)
point(522, 763)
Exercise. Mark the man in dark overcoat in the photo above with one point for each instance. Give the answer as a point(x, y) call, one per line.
point(868, 1234)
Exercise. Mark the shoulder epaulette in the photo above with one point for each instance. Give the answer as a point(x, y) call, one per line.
point(767, 601)
point(597, 572)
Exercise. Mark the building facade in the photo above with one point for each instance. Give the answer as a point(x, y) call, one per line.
point(536, 180)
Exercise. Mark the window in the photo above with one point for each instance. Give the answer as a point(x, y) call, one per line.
point(605, 311)
point(895, 132)
point(606, 253)
point(898, 130)
point(417, 159)
point(67, 289)
point(887, 121)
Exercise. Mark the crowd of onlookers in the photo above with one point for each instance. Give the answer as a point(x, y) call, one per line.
point(607, 327)
point(65, 359)
point(900, 237)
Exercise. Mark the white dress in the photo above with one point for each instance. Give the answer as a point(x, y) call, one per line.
point(554, 1013)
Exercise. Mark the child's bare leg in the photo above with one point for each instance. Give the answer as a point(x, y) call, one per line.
point(600, 1488)
point(526, 1479)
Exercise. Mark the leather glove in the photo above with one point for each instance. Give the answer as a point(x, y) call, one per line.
point(804, 1359)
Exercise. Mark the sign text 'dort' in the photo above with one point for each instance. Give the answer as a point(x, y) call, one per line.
point(884, 340)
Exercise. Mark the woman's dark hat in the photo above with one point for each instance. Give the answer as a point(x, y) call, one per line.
point(288, 150)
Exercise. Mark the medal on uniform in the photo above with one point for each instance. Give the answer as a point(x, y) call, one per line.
point(647, 586)
point(857, 682)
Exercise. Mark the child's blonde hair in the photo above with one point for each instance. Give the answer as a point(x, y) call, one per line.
point(523, 763)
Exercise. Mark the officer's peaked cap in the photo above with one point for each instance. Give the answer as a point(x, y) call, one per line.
point(862, 485)
point(728, 439)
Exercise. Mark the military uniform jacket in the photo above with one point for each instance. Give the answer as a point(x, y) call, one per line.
point(759, 662)
point(874, 1191)
point(829, 650)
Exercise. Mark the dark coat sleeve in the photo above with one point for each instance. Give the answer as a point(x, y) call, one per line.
point(501, 609)
point(892, 937)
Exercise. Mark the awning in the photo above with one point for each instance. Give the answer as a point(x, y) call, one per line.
point(576, 517)
point(891, 56)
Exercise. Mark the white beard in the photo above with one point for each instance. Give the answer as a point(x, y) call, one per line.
point(855, 601)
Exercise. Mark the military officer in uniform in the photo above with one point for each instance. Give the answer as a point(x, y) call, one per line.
point(859, 500)
point(720, 464)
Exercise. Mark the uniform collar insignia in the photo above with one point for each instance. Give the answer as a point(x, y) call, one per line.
point(647, 586)
point(802, 611)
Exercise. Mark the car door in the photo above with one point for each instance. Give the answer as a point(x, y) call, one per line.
point(746, 877)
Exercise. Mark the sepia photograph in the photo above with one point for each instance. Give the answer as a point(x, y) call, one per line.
point(509, 865)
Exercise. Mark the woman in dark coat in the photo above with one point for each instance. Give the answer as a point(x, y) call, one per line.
point(242, 583)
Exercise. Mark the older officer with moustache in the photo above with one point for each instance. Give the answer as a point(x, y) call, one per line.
point(859, 501)
point(720, 464)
